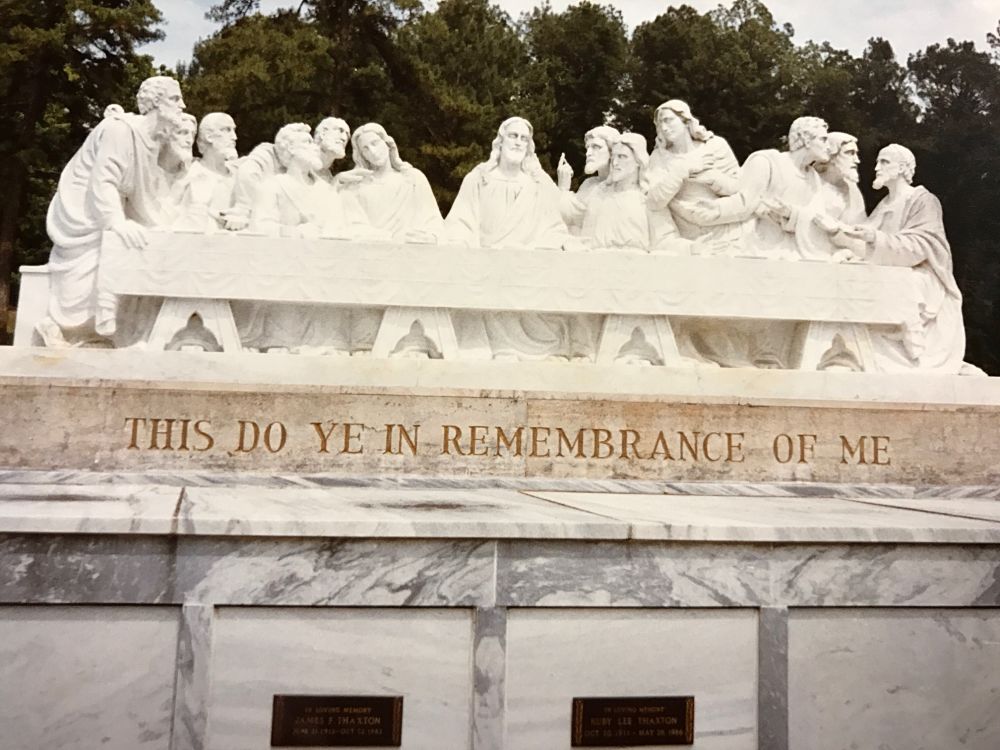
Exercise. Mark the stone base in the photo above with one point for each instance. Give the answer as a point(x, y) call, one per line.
point(194, 411)
point(167, 612)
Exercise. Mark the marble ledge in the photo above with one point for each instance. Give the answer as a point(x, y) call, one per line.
point(484, 513)
point(284, 373)
point(709, 518)
point(234, 479)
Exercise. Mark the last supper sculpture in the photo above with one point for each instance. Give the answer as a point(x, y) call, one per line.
point(676, 256)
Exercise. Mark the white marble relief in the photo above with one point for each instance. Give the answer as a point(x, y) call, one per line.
point(116, 693)
point(259, 653)
point(686, 200)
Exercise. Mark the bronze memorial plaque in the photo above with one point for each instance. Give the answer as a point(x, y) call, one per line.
point(337, 721)
point(627, 722)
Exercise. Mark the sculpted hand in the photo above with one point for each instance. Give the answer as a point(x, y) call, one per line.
point(828, 225)
point(132, 234)
point(861, 233)
point(564, 173)
point(777, 209)
point(704, 213)
point(353, 176)
point(235, 222)
point(419, 236)
point(716, 180)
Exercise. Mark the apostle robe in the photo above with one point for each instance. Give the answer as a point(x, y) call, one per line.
point(114, 176)
point(911, 233)
point(493, 210)
point(399, 203)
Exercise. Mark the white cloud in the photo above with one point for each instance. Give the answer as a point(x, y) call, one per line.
point(910, 25)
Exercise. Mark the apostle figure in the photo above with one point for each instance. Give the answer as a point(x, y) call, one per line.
point(262, 162)
point(177, 154)
point(295, 202)
point(842, 199)
point(206, 192)
point(394, 195)
point(780, 193)
point(907, 229)
point(842, 203)
point(616, 215)
point(331, 135)
point(598, 143)
point(508, 201)
point(109, 184)
point(689, 164)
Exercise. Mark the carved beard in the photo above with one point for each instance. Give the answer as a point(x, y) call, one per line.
point(593, 165)
point(181, 152)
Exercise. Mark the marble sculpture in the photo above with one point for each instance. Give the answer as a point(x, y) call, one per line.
point(689, 196)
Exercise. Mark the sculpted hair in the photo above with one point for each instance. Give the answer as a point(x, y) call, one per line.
point(151, 91)
point(285, 137)
point(210, 125)
point(904, 157)
point(529, 166)
point(395, 161)
point(635, 143)
point(604, 133)
point(803, 130)
point(697, 131)
point(330, 122)
point(838, 140)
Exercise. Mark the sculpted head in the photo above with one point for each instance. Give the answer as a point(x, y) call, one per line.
point(217, 134)
point(673, 119)
point(332, 135)
point(515, 141)
point(162, 95)
point(629, 160)
point(372, 148)
point(844, 159)
point(294, 146)
point(183, 133)
point(598, 142)
point(894, 163)
point(810, 134)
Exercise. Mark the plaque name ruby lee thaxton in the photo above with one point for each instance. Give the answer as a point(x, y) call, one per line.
point(628, 722)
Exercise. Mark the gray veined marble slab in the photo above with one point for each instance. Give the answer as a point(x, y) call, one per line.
point(67, 509)
point(916, 679)
point(357, 512)
point(776, 519)
point(82, 678)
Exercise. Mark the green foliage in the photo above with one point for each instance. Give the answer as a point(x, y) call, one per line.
point(471, 60)
point(579, 61)
point(265, 71)
point(441, 80)
point(61, 63)
point(957, 146)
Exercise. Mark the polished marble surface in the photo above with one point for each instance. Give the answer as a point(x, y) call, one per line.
point(894, 679)
point(82, 678)
point(555, 655)
point(383, 513)
point(776, 519)
point(422, 656)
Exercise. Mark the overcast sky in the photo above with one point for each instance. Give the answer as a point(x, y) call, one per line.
point(910, 25)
